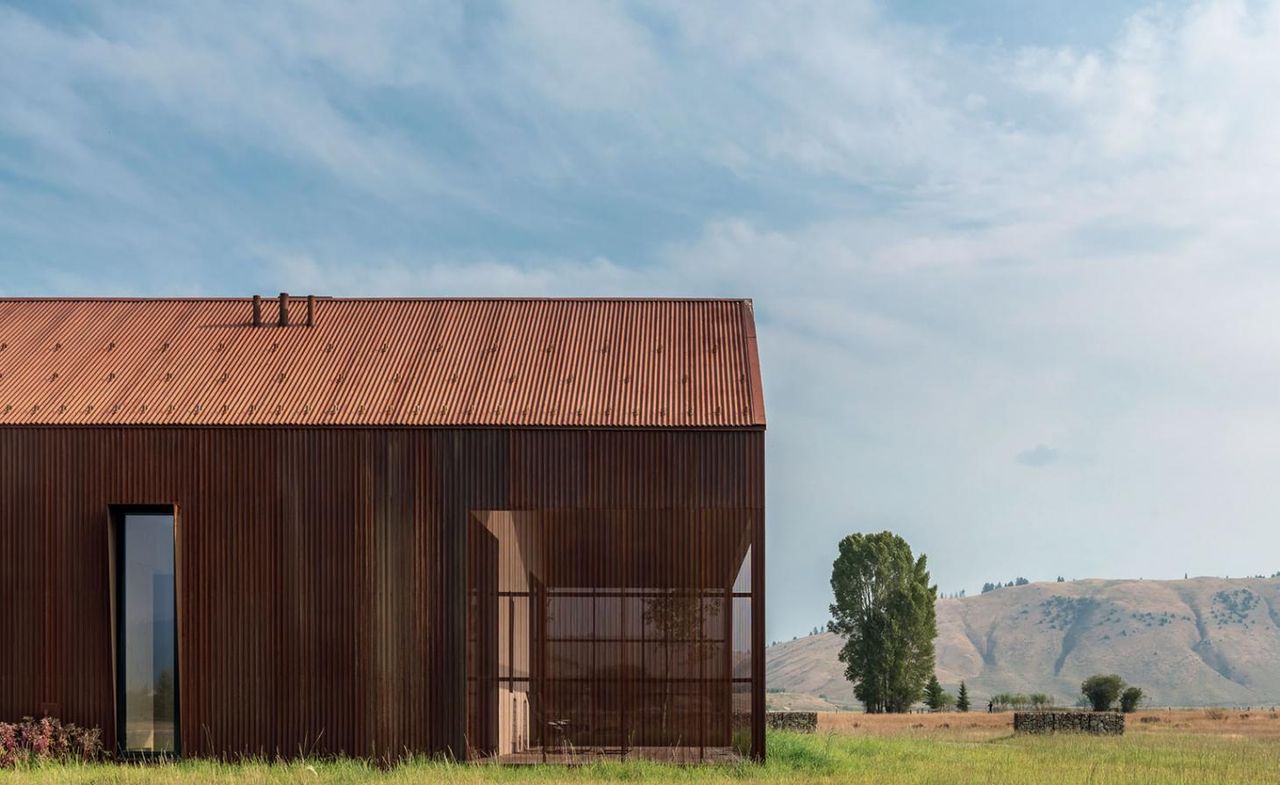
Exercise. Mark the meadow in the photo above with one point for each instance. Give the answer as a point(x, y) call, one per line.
point(1160, 747)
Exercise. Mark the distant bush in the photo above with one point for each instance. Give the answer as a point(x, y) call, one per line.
point(1102, 691)
point(1061, 612)
point(1003, 701)
point(47, 739)
point(1018, 701)
point(1233, 607)
point(1130, 698)
point(990, 587)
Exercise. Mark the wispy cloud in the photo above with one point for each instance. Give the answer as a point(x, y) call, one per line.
point(958, 248)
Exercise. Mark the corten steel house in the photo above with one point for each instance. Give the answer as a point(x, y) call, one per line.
point(511, 529)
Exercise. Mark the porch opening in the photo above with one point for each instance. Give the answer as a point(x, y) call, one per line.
point(609, 633)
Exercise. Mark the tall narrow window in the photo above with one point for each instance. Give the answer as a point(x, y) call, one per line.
point(146, 619)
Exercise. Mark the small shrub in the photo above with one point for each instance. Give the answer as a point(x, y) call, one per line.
point(48, 739)
point(8, 745)
point(1017, 701)
point(1130, 699)
point(1040, 701)
point(1215, 714)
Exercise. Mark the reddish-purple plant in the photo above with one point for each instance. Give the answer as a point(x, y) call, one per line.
point(8, 745)
point(47, 739)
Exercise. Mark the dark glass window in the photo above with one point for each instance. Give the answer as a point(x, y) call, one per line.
point(148, 635)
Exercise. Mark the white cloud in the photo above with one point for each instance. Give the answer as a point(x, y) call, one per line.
point(247, 82)
point(957, 249)
point(1111, 288)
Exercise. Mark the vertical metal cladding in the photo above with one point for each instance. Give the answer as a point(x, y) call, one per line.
point(323, 570)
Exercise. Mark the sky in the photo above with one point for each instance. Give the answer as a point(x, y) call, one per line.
point(1016, 265)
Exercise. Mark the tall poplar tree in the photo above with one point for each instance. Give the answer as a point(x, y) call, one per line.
point(884, 608)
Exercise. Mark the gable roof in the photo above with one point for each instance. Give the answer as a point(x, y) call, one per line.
point(381, 362)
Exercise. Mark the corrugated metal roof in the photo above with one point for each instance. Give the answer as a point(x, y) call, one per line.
point(397, 362)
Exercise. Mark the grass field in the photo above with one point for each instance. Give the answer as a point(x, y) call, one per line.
point(1175, 747)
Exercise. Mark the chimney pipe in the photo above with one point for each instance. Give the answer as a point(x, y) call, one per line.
point(284, 309)
point(311, 310)
point(257, 310)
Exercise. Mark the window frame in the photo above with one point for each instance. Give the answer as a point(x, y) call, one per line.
point(117, 513)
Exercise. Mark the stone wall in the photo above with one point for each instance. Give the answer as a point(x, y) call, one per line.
point(801, 721)
point(1100, 723)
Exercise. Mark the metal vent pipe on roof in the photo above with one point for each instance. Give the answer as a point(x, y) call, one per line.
point(284, 309)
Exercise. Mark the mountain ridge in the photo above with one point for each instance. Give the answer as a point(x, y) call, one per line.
point(1191, 642)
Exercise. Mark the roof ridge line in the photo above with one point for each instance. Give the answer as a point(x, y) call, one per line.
point(328, 298)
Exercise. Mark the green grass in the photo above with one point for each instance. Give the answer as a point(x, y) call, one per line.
point(1151, 759)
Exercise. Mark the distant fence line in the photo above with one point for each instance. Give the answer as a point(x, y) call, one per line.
point(1097, 723)
point(802, 721)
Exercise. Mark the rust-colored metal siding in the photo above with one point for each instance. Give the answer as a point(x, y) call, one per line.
point(434, 362)
point(322, 603)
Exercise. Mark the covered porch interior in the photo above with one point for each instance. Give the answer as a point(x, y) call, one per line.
point(608, 634)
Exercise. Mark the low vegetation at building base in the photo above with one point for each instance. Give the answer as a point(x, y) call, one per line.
point(47, 740)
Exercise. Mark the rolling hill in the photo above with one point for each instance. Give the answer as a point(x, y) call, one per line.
point(1197, 642)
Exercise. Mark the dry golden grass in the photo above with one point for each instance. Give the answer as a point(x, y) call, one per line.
point(1250, 723)
point(966, 726)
